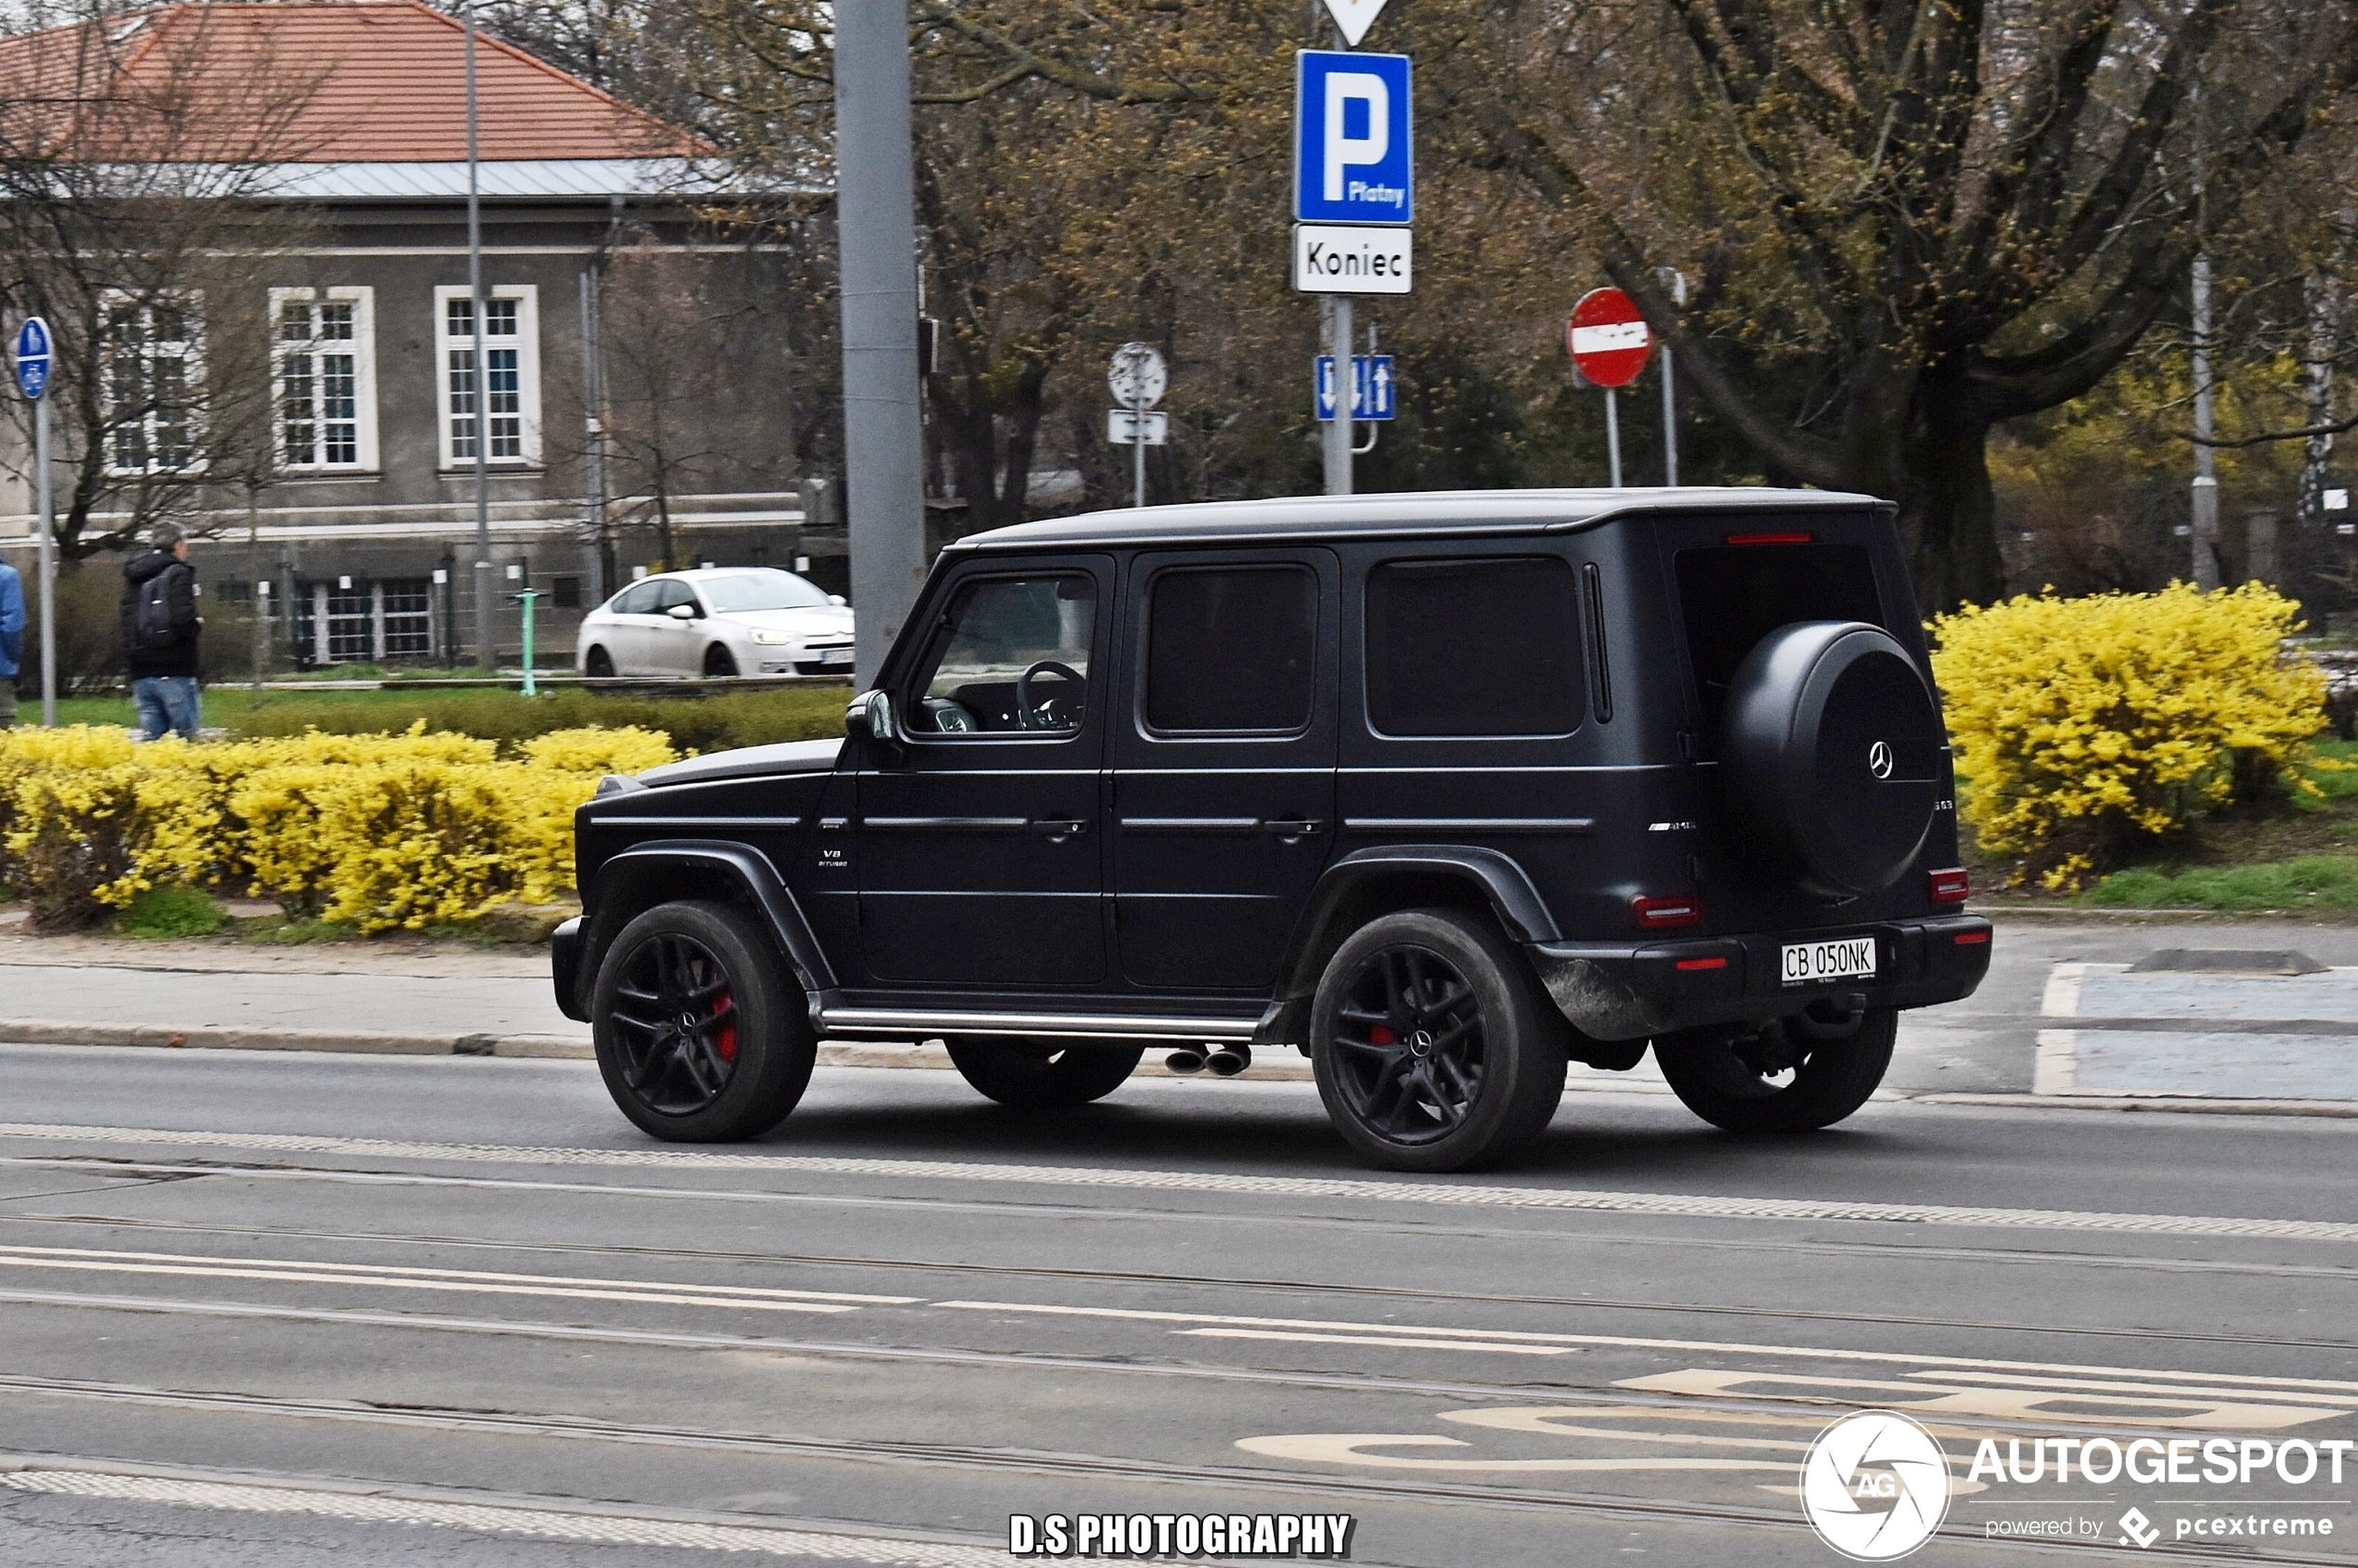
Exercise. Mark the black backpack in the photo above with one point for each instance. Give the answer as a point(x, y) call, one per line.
point(151, 627)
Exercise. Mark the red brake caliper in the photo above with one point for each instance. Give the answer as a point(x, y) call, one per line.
point(724, 1039)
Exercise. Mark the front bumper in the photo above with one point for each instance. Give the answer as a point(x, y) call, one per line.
point(1623, 991)
point(565, 960)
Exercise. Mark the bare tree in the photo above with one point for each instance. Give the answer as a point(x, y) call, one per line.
point(138, 174)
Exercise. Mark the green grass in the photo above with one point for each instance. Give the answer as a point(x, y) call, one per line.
point(169, 912)
point(699, 723)
point(2310, 882)
point(2336, 783)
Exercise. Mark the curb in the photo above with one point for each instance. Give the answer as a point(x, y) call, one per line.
point(2182, 1103)
point(1288, 1068)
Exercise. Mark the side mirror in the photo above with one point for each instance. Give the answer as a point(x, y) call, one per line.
point(684, 613)
point(871, 718)
point(837, 598)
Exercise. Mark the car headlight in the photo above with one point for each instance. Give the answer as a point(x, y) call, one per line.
point(775, 639)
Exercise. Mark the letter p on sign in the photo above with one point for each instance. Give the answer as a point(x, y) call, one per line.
point(1345, 88)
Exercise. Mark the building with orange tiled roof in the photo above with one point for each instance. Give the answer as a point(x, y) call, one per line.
point(355, 110)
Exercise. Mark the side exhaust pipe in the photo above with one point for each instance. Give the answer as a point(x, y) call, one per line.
point(1226, 1061)
point(1187, 1058)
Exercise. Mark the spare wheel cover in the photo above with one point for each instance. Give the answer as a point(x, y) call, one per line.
point(1831, 742)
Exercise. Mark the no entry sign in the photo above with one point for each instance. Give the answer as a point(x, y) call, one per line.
point(1608, 338)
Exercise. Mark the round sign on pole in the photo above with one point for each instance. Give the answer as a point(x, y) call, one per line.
point(1137, 378)
point(33, 356)
point(1608, 338)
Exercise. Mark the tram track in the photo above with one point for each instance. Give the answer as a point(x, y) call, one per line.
point(1292, 1287)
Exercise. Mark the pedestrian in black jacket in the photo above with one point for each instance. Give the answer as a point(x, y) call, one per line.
point(160, 628)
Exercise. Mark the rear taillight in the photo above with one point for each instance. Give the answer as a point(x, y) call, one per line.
point(1950, 887)
point(1703, 964)
point(1662, 913)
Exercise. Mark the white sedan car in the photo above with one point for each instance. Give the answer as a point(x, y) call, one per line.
point(720, 620)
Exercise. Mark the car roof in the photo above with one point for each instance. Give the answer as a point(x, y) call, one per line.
point(1410, 512)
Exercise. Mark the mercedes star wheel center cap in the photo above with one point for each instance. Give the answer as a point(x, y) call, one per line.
point(1421, 1042)
point(1879, 760)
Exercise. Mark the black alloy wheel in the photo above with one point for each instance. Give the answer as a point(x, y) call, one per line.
point(699, 1038)
point(1432, 1049)
point(598, 665)
point(1042, 1074)
point(719, 661)
point(1785, 1075)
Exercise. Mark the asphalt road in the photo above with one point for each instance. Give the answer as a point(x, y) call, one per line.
point(288, 1309)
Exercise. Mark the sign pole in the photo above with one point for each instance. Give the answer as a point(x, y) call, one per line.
point(1138, 446)
point(1670, 394)
point(1613, 437)
point(48, 567)
point(1338, 431)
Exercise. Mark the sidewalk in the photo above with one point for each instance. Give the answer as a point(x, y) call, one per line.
point(2101, 1036)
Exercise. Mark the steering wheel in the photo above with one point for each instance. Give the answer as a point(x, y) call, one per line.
point(1035, 716)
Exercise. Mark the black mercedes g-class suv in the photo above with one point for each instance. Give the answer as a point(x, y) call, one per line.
point(1446, 790)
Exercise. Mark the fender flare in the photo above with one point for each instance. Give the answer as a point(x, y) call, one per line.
point(1505, 887)
point(748, 869)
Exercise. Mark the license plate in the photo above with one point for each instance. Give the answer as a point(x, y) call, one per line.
point(834, 655)
point(1852, 958)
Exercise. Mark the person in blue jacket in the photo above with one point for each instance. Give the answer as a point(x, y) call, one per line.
point(12, 619)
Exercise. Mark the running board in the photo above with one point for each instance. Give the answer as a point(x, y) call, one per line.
point(921, 1023)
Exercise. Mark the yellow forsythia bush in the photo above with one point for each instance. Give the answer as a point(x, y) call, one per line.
point(2082, 723)
point(376, 831)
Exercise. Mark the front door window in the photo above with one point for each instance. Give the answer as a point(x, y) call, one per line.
point(1013, 656)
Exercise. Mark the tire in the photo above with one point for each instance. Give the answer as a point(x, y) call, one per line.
point(597, 664)
point(1490, 1070)
point(719, 661)
point(745, 1064)
point(1715, 1071)
point(1830, 759)
point(1042, 1074)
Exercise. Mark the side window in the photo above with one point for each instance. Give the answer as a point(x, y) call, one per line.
point(638, 600)
point(1012, 655)
point(1231, 649)
point(672, 592)
point(1487, 646)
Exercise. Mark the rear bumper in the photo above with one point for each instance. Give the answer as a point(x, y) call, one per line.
point(1621, 991)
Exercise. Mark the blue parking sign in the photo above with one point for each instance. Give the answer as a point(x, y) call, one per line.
point(33, 356)
point(1354, 153)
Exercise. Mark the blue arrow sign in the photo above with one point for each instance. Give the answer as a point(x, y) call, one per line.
point(1372, 385)
point(33, 356)
point(1354, 153)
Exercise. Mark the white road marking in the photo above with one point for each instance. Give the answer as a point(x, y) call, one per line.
point(2203, 1410)
point(1455, 1194)
point(2221, 1380)
point(2062, 999)
point(454, 1281)
point(1390, 1341)
point(1348, 1448)
point(539, 1524)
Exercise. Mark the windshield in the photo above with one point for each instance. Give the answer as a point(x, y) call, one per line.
point(765, 590)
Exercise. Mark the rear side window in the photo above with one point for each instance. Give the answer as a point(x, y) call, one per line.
point(1733, 595)
point(1489, 646)
point(1231, 649)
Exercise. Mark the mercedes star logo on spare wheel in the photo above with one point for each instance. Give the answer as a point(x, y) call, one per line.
point(1879, 760)
point(1875, 1486)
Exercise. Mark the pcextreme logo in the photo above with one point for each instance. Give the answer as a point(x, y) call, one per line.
point(1875, 1486)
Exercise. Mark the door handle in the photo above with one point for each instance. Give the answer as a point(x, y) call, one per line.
point(1301, 827)
point(1055, 830)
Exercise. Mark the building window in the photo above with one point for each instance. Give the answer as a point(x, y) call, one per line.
point(510, 382)
point(323, 356)
point(153, 376)
point(565, 593)
point(352, 620)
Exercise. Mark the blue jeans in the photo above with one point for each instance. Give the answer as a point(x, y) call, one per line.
point(166, 702)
